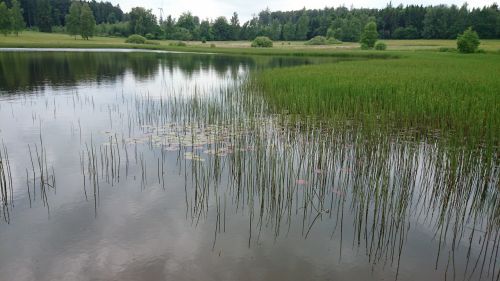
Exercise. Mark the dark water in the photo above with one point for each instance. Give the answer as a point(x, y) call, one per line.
point(158, 166)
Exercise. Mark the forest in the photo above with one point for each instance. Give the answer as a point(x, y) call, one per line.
point(345, 24)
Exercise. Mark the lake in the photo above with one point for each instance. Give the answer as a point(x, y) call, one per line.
point(129, 165)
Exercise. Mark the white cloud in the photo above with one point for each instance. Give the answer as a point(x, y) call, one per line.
point(245, 9)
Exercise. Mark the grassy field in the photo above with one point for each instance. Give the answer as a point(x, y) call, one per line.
point(46, 40)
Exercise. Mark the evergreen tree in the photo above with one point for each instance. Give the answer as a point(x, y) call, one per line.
point(369, 35)
point(87, 22)
point(275, 30)
point(5, 27)
point(43, 18)
point(288, 31)
point(302, 27)
point(17, 23)
point(73, 19)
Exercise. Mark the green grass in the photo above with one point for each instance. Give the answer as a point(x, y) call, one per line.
point(455, 94)
point(29, 39)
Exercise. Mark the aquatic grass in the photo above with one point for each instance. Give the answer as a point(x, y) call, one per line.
point(6, 187)
point(446, 93)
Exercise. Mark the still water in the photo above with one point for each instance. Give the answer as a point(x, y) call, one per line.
point(169, 166)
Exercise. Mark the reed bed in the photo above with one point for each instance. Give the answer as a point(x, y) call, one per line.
point(446, 94)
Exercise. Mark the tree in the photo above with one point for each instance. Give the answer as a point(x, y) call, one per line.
point(142, 21)
point(205, 30)
point(17, 23)
point(302, 27)
point(468, 42)
point(222, 29)
point(73, 19)
point(275, 30)
point(289, 31)
point(235, 27)
point(43, 18)
point(187, 21)
point(369, 35)
point(87, 22)
point(168, 27)
point(4, 19)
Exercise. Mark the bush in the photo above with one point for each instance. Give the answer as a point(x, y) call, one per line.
point(321, 40)
point(212, 45)
point(365, 46)
point(317, 40)
point(468, 42)
point(150, 36)
point(262, 42)
point(380, 46)
point(178, 44)
point(135, 39)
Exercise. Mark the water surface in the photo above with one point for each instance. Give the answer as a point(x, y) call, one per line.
point(170, 166)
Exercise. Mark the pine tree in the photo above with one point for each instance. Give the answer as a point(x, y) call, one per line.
point(73, 19)
point(302, 27)
point(44, 15)
point(87, 22)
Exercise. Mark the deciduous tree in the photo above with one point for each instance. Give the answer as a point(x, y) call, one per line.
point(87, 22)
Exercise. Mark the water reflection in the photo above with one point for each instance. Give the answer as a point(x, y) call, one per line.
point(31, 71)
point(171, 167)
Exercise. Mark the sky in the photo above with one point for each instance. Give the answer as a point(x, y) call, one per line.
point(247, 8)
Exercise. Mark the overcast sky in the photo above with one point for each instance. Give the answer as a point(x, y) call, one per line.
point(246, 8)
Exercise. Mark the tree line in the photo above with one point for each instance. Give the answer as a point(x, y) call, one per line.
point(393, 22)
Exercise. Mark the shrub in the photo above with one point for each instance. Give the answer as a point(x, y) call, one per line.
point(321, 40)
point(365, 46)
point(178, 44)
point(317, 40)
point(150, 36)
point(380, 46)
point(369, 35)
point(203, 40)
point(212, 45)
point(262, 42)
point(468, 42)
point(135, 39)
